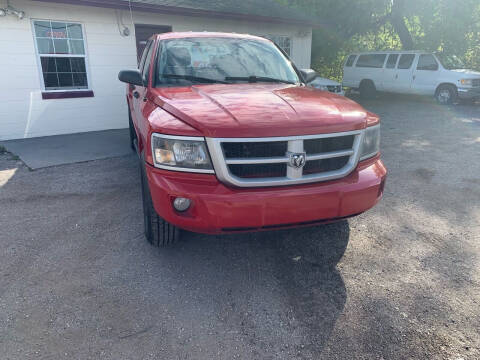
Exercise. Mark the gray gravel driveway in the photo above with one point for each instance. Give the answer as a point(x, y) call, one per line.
point(402, 281)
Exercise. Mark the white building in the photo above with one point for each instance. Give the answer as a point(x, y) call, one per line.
point(60, 59)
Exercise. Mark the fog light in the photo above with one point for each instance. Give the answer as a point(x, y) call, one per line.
point(181, 204)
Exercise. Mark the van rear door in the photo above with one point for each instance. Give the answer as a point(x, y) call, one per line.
point(349, 73)
point(370, 67)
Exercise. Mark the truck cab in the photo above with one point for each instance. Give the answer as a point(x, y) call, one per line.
point(231, 139)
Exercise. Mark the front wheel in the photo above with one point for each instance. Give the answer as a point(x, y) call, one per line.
point(446, 94)
point(158, 232)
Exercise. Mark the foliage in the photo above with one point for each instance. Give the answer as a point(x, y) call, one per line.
point(452, 26)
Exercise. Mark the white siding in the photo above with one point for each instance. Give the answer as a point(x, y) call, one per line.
point(23, 113)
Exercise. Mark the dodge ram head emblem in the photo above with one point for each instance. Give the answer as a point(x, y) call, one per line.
point(297, 160)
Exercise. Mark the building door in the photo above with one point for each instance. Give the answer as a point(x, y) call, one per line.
point(143, 33)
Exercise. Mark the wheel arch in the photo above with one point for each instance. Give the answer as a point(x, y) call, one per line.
point(366, 81)
point(445, 84)
point(131, 123)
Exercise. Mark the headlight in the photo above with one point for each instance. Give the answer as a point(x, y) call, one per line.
point(181, 153)
point(371, 142)
point(467, 82)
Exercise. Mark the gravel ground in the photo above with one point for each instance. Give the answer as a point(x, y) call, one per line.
point(402, 281)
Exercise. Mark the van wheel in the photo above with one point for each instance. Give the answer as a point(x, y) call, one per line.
point(367, 89)
point(158, 232)
point(446, 94)
point(133, 134)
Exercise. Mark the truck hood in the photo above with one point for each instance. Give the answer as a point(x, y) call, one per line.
point(259, 110)
point(470, 73)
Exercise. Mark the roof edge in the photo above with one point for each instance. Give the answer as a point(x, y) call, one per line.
point(174, 10)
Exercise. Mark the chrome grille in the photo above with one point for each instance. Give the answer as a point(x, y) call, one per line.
point(476, 82)
point(255, 162)
point(254, 149)
point(334, 88)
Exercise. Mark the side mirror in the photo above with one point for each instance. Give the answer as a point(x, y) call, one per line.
point(308, 75)
point(131, 77)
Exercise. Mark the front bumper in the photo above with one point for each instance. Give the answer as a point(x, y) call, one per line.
point(469, 93)
point(217, 208)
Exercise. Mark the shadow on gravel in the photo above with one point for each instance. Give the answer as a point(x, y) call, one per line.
point(297, 265)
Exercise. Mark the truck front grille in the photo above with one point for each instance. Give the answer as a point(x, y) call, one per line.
point(254, 149)
point(476, 82)
point(247, 171)
point(334, 88)
point(276, 161)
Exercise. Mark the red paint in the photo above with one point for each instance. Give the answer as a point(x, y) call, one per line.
point(260, 110)
point(66, 94)
point(218, 207)
point(250, 110)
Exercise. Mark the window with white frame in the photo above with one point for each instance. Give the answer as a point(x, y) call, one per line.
point(61, 54)
point(283, 42)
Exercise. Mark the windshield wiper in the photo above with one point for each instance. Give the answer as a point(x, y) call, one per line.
point(193, 78)
point(254, 79)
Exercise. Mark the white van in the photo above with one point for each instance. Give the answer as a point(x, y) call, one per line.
point(411, 72)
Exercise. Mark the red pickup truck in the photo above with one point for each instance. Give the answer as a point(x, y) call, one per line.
point(232, 139)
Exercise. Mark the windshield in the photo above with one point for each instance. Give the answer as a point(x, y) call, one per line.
point(450, 62)
point(187, 61)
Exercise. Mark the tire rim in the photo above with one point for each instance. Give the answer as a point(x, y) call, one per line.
point(444, 96)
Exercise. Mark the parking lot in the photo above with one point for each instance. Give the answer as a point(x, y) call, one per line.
point(402, 281)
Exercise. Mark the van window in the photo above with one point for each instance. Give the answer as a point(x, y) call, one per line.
point(427, 62)
point(392, 61)
point(406, 61)
point(351, 60)
point(371, 60)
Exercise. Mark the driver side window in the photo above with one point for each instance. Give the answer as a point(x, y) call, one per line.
point(146, 66)
point(144, 55)
point(427, 62)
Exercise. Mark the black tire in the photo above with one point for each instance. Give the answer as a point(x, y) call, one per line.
point(367, 89)
point(133, 134)
point(446, 94)
point(158, 232)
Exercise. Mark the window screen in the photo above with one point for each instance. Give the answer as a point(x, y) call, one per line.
point(371, 60)
point(392, 61)
point(406, 61)
point(350, 60)
point(283, 42)
point(61, 52)
point(427, 62)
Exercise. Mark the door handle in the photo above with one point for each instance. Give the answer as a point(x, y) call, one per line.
point(136, 95)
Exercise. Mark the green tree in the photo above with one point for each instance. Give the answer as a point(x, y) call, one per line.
point(358, 25)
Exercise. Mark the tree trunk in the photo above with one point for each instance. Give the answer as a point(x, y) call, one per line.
point(398, 22)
